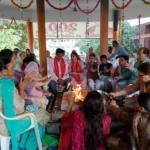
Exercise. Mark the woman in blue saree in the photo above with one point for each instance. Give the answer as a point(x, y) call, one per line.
point(12, 104)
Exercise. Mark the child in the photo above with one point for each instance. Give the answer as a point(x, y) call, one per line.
point(92, 73)
point(105, 67)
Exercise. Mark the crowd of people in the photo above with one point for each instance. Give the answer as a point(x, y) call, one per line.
point(23, 90)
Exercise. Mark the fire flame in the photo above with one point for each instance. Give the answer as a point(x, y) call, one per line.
point(78, 94)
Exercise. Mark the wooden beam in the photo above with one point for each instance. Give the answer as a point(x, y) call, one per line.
point(104, 16)
point(30, 36)
point(41, 34)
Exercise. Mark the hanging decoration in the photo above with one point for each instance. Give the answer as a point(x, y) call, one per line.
point(49, 3)
point(60, 20)
point(87, 22)
point(76, 3)
point(8, 27)
point(139, 31)
point(121, 7)
point(88, 11)
point(22, 7)
point(122, 24)
point(15, 22)
point(145, 2)
point(24, 28)
point(58, 8)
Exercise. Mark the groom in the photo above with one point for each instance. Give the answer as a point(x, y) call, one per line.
point(58, 69)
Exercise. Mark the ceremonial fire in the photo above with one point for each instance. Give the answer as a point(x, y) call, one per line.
point(78, 93)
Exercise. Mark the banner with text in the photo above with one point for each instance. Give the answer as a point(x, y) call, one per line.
point(72, 30)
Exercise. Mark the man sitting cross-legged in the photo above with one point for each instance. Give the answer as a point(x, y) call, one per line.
point(58, 69)
point(122, 74)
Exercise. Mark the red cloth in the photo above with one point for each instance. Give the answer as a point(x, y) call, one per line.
point(22, 67)
point(75, 67)
point(62, 67)
point(66, 131)
point(72, 127)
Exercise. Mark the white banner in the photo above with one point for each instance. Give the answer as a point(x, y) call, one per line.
point(72, 30)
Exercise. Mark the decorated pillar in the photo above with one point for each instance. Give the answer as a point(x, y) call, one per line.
point(104, 16)
point(41, 34)
point(30, 36)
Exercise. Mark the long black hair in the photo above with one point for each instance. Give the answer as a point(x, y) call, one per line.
point(76, 54)
point(5, 58)
point(93, 109)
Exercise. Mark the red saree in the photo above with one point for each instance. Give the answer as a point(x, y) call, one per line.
point(75, 67)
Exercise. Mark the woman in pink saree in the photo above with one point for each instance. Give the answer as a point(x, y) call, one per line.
point(86, 128)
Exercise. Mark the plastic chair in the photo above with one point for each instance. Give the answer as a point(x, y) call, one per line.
point(4, 140)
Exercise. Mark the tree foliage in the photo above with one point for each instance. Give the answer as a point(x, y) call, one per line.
point(130, 45)
point(13, 37)
point(129, 33)
point(84, 44)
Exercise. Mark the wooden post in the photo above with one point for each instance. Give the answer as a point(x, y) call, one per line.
point(30, 36)
point(104, 15)
point(115, 25)
point(115, 35)
point(41, 34)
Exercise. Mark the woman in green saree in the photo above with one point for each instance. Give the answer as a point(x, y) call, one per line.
point(12, 104)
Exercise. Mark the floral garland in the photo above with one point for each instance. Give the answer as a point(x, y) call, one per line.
point(145, 2)
point(76, 2)
point(22, 7)
point(15, 22)
point(88, 11)
point(19, 26)
point(121, 7)
point(8, 27)
point(49, 3)
point(139, 31)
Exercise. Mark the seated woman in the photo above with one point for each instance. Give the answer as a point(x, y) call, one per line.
point(76, 71)
point(36, 93)
point(12, 104)
point(138, 119)
point(87, 126)
point(19, 67)
point(142, 84)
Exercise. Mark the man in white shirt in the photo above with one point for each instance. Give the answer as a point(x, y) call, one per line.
point(113, 60)
point(58, 69)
